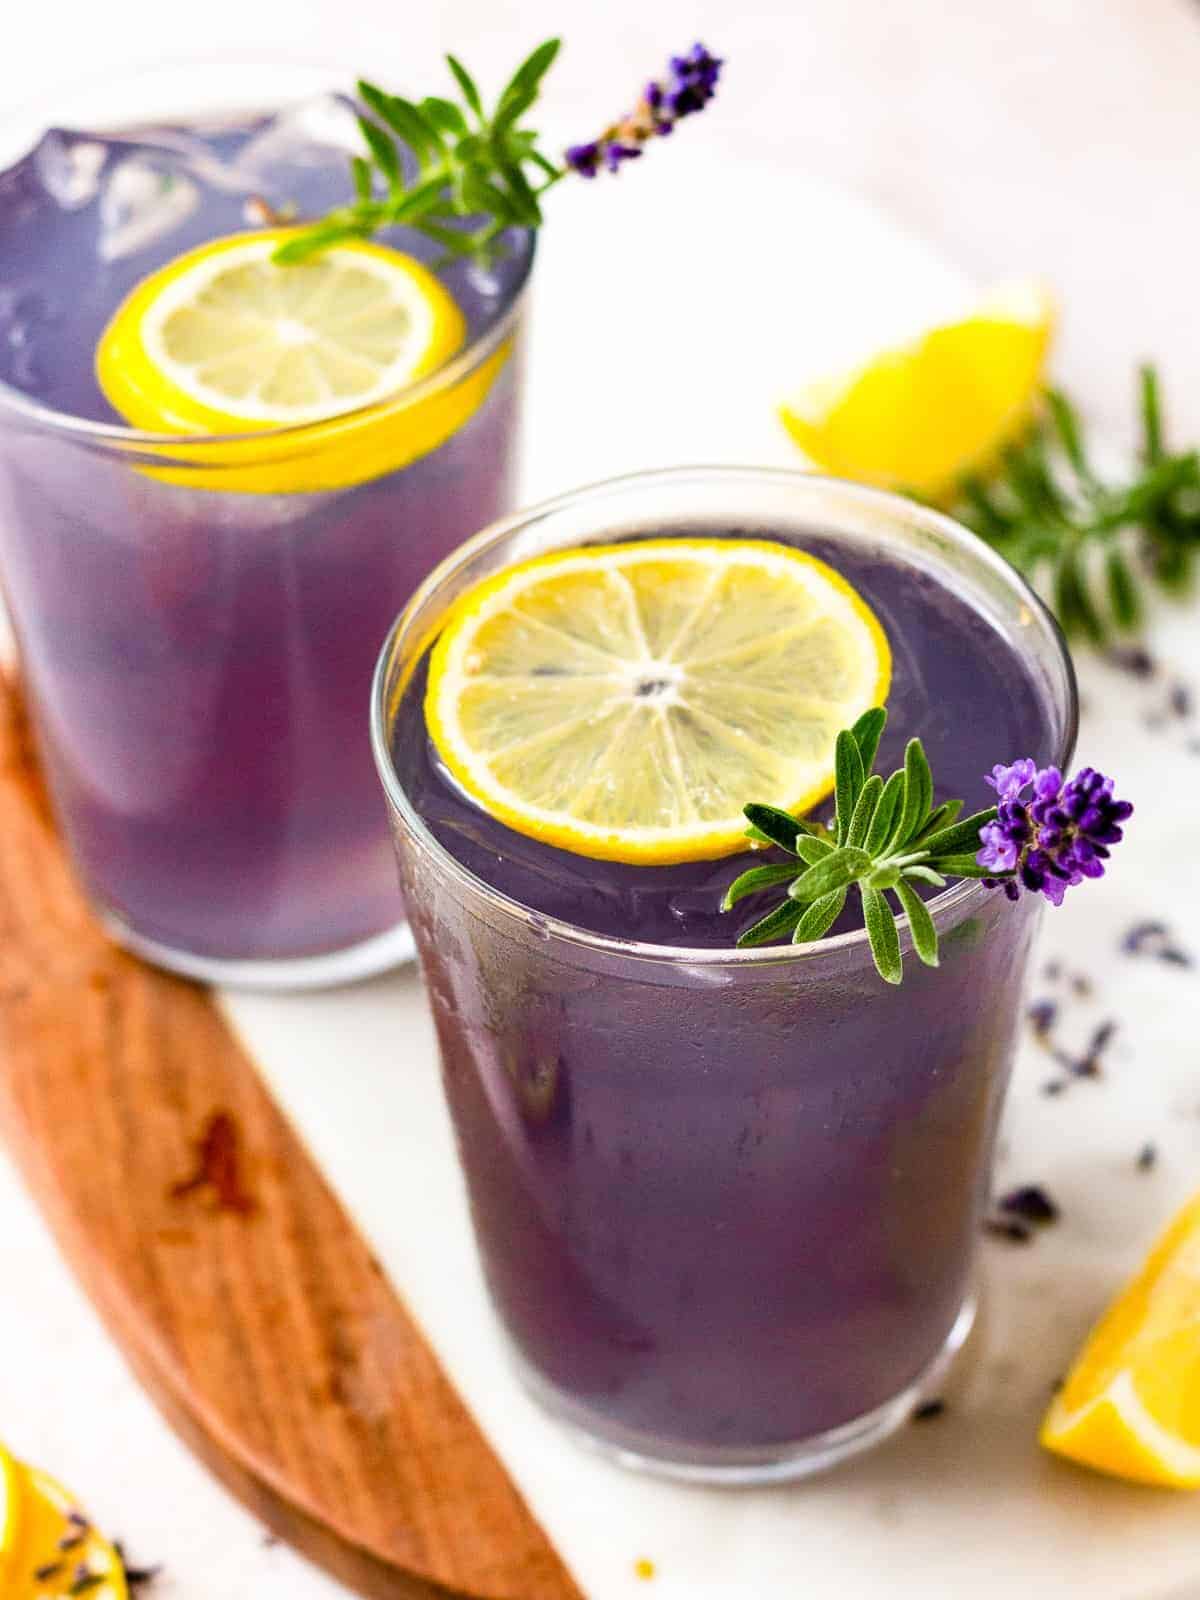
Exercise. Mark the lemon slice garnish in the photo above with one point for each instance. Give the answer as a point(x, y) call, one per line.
point(625, 701)
point(224, 340)
point(1131, 1403)
point(55, 1548)
point(921, 416)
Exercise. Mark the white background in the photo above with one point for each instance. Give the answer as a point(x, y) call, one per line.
point(1058, 136)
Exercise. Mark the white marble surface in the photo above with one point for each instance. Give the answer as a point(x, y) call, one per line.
point(1047, 134)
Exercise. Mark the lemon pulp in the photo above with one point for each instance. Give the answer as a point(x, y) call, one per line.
point(626, 701)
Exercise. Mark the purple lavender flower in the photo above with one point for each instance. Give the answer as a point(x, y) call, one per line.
point(1056, 837)
point(687, 86)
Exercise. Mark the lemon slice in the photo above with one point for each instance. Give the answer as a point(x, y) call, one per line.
point(224, 340)
point(921, 416)
point(1131, 1403)
point(55, 1540)
point(625, 701)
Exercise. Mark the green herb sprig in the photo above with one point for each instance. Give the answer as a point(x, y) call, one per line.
point(1092, 545)
point(885, 837)
point(469, 163)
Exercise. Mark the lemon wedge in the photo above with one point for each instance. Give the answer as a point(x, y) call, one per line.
point(9, 1519)
point(921, 416)
point(1131, 1403)
point(55, 1548)
point(625, 701)
point(224, 340)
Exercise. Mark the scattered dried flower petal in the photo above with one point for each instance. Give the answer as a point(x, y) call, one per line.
point(1030, 1203)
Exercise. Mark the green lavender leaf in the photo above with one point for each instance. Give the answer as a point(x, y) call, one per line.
point(811, 850)
point(924, 934)
point(885, 814)
point(775, 925)
point(444, 115)
point(819, 917)
point(960, 866)
point(925, 874)
point(1151, 406)
point(867, 732)
point(918, 793)
point(756, 878)
point(848, 780)
point(941, 817)
point(960, 836)
point(881, 931)
point(532, 70)
point(835, 871)
point(773, 825)
point(864, 810)
point(1122, 591)
point(466, 84)
point(383, 151)
point(886, 876)
point(1070, 435)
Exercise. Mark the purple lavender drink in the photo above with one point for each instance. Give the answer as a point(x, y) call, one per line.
point(728, 1202)
point(197, 656)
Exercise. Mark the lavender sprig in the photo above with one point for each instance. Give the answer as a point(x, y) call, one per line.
point(689, 84)
point(1094, 544)
point(886, 837)
point(463, 175)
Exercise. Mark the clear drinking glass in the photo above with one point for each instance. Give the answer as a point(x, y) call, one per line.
point(197, 619)
point(727, 1202)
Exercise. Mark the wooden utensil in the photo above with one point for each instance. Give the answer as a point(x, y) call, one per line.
point(238, 1288)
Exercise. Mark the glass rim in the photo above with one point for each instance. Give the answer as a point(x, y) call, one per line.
point(957, 895)
point(121, 436)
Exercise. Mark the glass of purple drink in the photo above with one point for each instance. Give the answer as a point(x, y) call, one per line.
point(196, 637)
point(727, 1201)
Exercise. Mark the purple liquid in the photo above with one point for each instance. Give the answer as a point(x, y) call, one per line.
point(724, 1212)
point(199, 660)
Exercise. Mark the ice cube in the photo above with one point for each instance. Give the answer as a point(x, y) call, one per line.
point(142, 200)
point(319, 132)
point(69, 168)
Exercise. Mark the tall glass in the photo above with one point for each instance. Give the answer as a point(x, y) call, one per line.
point(197, 620)
point(727, 1202)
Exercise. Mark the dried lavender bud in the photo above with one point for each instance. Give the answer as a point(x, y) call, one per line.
point(1147, 1158)
point(135, 1577)
point(928, 1410)
point(1180, 700)
point(51, 1569)
point(1053, 1086)
point(1008, 1228)
point(1042, 1016)
point(1134, 659)
point(1153, 939)
point(1031, 1203)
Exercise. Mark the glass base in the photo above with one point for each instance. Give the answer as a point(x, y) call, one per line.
point(744, 1468)
point(365, 960)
